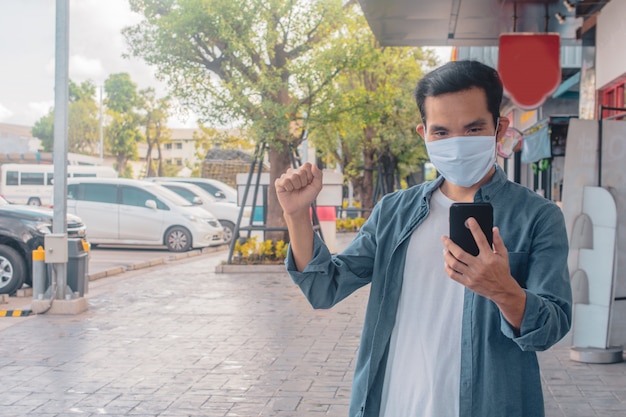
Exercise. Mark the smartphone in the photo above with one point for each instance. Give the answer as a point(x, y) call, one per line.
point(460, 234)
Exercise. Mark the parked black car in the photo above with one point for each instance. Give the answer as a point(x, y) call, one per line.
point(22, 230)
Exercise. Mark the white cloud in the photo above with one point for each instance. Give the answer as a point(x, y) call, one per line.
point(83, 68)
point(4, 112)
point(40, 108)
point(96, 49)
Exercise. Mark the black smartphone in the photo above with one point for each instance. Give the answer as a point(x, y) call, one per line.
point(460, 234)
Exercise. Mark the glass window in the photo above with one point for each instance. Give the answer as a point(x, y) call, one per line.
point(13, 178)
point(32, 178)
point(168, 146)
point(207, 187)
point(184, 193)
point(133, 196)
point(50, 178)
point(72, 192)
point(179, 145)
point(102, 193)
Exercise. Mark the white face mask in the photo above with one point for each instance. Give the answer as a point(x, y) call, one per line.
point(463, 160)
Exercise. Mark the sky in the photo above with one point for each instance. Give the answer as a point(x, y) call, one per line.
point(27, 50)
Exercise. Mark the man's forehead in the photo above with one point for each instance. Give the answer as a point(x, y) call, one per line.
point(465, 106)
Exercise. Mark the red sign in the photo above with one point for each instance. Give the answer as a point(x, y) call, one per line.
point(530, 67)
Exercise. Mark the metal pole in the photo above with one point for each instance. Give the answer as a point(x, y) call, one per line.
point(101, 133)
point(61, 106)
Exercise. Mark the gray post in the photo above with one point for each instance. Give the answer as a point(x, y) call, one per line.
point(61, 107)
point(101, 132)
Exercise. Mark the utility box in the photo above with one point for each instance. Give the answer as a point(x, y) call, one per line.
point(55, 245)
point(77, 265)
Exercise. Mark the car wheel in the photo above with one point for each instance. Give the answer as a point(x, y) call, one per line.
point(12, 270)
point(34, 201)
point(178, 239)
point(229, 230)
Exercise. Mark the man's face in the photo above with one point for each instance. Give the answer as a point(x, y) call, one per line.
point(463, 113)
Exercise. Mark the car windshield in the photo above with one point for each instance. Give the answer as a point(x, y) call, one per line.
point(229, 192)
point(172, 197)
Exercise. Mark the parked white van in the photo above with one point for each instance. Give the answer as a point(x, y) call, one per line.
point(32, 184)
point(122, 211)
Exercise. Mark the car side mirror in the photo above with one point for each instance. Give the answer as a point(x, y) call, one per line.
point(197, 201)
point(219, 194)
point(151, 204)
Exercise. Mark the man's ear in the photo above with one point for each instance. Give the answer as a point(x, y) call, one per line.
point(503, 125)
point(421, 130)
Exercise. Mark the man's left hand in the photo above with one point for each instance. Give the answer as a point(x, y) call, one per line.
point(487, 274)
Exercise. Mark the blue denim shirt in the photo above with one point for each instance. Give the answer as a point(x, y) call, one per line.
point(499, 367)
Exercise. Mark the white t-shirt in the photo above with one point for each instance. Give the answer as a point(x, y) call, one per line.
point(423, 369)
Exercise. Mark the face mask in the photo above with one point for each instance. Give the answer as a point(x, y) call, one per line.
point(463, 160)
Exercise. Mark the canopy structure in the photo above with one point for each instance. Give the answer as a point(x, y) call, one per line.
point(474, 22)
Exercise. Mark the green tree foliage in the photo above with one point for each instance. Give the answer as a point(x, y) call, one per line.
point(122, 132)
point(367, 123)
point(43, 129)
point(83, 132)
point(83, 121)
point(154, 122)
point(260, 63)
point(210, 137)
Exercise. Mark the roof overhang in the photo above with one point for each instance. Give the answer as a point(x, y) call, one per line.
point(473, 22)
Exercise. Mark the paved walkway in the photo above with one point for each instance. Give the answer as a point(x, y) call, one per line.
point(180, 340)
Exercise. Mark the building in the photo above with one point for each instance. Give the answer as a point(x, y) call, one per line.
point(18, 146)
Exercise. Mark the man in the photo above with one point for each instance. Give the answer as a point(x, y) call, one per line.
point(445, 333)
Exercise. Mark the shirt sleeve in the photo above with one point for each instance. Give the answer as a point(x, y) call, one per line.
point(548, 310)
point(328, 279)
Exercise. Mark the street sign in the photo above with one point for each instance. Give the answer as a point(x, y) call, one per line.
point(530, 67)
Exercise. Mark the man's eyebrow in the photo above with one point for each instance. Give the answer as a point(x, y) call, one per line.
point(476, 123)
point(437, 128)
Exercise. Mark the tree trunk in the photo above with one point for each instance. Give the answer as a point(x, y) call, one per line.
point(280, 161)
point(367, 186)
point(160, 160)
point(388, 164)
point(121, 165)
point(150, 168)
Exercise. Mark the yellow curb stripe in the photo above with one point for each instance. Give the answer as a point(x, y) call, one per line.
point(15, 313)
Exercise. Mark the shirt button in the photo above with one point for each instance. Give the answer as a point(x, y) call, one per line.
point(486, 198)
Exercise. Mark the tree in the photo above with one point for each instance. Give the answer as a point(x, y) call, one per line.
point(83, 132)
point(259, 63)
point(43, 129)
point(367, 124)
point(154, 123)
point(122, 132)
point(82, 121)
point(209, 137)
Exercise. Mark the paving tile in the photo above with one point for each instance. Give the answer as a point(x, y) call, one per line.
point(179, 340)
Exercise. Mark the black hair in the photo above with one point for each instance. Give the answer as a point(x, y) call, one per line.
point(458, 76)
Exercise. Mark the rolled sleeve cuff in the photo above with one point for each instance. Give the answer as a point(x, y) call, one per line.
point(319, 261)
point(533, 334)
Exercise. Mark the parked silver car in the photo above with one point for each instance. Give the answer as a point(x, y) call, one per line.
point(218, 189)
point(227, 213)
point(122, 211)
